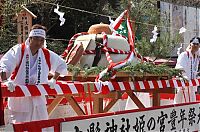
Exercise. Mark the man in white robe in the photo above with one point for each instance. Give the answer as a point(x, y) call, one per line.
point(188, 61)
point(33, 69)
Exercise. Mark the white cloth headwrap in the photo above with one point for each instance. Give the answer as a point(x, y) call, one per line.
point(195, 41)
point(38, 33)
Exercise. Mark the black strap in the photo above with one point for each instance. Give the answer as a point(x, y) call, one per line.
point(98, 48)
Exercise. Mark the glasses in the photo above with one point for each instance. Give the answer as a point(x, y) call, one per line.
point(38, 39)
point(196, 44)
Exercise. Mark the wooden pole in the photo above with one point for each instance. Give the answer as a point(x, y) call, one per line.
point(129, 6)
point(131, 21)
point(129, 12)
point(1, 108)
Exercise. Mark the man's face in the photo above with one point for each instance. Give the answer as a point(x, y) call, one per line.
point(37, 42)
point(195, 46)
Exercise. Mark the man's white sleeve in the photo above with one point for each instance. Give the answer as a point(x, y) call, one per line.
point(181, 62)
point(58, 64)
point(10, 60)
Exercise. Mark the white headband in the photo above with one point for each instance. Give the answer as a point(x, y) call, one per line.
point(195, 41)
point(38, 33)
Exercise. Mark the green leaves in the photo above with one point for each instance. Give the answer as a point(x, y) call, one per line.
point(74, 70)
point(133, 68)
point(162, 48)
point(92, 71)
point(150, 68)
point(8, 32)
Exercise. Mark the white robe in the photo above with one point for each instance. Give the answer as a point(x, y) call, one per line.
point(8, 63)
point(190, 66)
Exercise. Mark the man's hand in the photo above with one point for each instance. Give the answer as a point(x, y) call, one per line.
point(10, 84)
point(52, 83)
point(185, 79)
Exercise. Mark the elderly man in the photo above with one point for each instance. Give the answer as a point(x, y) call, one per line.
point(29, 64)
point(188, 61)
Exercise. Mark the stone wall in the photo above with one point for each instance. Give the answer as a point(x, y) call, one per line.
point(191, 3)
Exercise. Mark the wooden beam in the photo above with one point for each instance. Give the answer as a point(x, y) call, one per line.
point(89, 87)
point(112, 94)
point(98, 105)
point(160, 90)
point(74, 105)
point(1, 108)
point(54, 104)
point(115, 95)
point(135, 99)
point(110, 105)
point(156, 98)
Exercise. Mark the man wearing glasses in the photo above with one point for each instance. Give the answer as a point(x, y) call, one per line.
point(188, 61)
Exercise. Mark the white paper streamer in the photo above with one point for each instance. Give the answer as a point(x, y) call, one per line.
point(155, 35)
point(182, 30)
point(61, 14)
